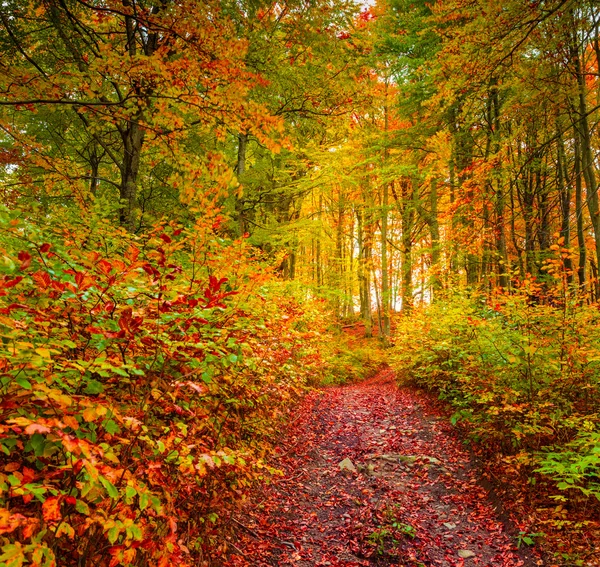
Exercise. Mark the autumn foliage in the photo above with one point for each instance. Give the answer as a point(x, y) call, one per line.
point(141, 380)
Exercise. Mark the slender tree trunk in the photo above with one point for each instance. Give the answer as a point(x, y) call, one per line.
point(409, 190)
point(318, 261)
point(564, 191)
point(364, 287)
point(385, 291)
point(434, 230)
point(502, 267)
point(581, 276)
point(240, 171)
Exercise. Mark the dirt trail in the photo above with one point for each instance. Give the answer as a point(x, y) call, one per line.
point(414, 499)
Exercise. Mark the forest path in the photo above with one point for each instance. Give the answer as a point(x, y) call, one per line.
point(414, 499)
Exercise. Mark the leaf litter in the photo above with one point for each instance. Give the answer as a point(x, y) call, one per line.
point(372, 475)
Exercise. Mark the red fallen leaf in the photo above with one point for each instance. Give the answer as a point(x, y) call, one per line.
point(28, 475)
point(44, 248)
point(25, 258)
point(177, 232)
point(51, 509)
point(173, 524)
point(71, 500)
point(165, 238)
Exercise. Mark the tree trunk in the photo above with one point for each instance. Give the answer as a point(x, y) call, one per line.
point(409, 190)
point(240, 171)
point(133, 141)
point(434, 230)
point(564, 191)
point(581, 277)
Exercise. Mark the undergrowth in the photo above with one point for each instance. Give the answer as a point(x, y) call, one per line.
point(522, 372)
point(141, 380)
point(347, 359)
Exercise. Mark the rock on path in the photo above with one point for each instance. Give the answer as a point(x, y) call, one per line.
point(373, 477)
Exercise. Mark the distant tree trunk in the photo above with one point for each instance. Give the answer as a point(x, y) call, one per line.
point(385, 290)
point(502, 266)
point(339, 257)
point(581, 277)
point(564, 191)
point(364, 269)
point(132, 133)
point(318, 262)
point(434, 231)
point(409, 190)
point(462, 154)
point(240, 171)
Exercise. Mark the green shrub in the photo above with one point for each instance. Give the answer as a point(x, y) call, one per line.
point(524, 375)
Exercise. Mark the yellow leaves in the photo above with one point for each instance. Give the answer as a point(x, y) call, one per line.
point(63, 400)
point(65, 529)
point(9, 522)
point(94, 412)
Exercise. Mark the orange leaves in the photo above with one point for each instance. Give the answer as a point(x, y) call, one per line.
point(43, 279)
point(51, 509)
point(10, 522)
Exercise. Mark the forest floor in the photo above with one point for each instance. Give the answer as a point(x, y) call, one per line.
point(374, 475)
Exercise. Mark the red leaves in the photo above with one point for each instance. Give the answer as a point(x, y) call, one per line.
point(9, 282)
point(83, 280)
point(25, 259)
point(151, 270)
point(105, 267)
point(128, 323)
point(136, 367)
point(406, 505)
point(213, 294)
point(36, 428)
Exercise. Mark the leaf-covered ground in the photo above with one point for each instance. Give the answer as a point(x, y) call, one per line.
point(413, 500)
